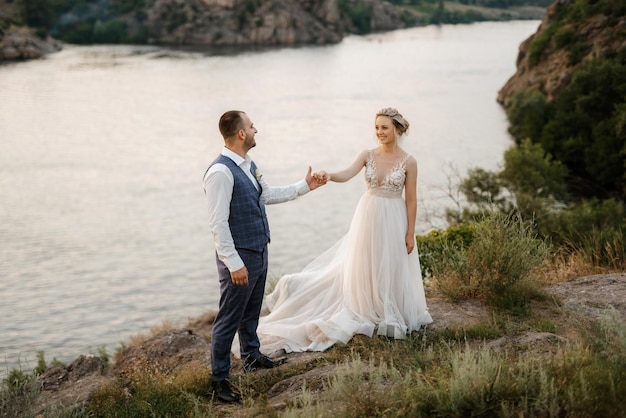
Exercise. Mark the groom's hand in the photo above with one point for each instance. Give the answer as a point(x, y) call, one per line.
point(314, 180)
point(240, 277)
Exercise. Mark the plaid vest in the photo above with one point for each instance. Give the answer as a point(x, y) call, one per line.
point(247, 219)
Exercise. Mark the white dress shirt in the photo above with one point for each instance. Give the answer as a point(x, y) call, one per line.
point(218, 188)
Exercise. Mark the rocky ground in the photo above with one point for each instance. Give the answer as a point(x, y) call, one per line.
point(174, 349)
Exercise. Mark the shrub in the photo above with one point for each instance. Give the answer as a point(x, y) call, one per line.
point(17, 394)
point(431, 246)
point(540, 44)
point(152, 395)
point(528, 114)
point(503, 252)
point(595, 229)
point(565, 36)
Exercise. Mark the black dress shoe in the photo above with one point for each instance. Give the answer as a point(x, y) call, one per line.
point(224, 392)
point(261, 362)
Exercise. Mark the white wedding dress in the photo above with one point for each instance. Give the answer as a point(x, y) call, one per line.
point(365, 284)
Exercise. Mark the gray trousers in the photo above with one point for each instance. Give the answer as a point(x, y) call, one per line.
point(239, 311)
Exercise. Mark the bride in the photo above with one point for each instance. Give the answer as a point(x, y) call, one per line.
point(370, 281)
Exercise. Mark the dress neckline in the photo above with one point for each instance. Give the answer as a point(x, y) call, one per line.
point(381, 180)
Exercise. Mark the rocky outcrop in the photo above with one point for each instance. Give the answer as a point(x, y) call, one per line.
point(218, 23)
point(18, 43)
point(232, 22)
point(274, 22)
point(547, 59)
point(70, 387)
point(385, 17)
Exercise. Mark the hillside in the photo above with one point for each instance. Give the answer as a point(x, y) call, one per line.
point(568, 96)
point(177, 353)
point(232, 22)
point(570, 35)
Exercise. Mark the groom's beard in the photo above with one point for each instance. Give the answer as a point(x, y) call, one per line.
point(249, 142)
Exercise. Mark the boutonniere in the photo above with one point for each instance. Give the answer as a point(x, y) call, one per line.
point(259, 176)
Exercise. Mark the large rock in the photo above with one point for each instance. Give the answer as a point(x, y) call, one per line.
point(385, 17)
point(18, 43)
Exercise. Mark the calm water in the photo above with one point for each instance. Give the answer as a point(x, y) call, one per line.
point(102, 149)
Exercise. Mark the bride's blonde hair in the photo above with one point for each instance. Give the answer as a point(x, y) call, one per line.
point(401, 124)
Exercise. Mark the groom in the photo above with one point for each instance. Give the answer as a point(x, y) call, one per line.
point(236, 195)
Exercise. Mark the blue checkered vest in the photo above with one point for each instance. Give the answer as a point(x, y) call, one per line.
point(247, 219)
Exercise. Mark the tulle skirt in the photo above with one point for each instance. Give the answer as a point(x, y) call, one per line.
point(364, 284)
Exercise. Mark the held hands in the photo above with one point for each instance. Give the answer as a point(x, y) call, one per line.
point(317, 179)
point(321, 176)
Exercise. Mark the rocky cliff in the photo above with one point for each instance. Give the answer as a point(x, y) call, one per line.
point(234, 22)
point(250, 22)
point(571, 33)
point(19, 43)
point(222, 22)
point(203, 22)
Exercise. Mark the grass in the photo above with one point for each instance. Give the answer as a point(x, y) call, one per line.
point(581, 379)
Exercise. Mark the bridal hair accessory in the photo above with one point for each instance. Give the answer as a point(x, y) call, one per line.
point(401, 124)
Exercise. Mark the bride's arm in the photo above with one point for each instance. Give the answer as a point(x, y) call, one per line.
point(410, 198)
point(351, 171)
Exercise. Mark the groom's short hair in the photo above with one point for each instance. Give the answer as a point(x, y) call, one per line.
point(230, 123)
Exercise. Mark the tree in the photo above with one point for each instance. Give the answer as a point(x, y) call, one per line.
point(586, 132)
point(36, 13)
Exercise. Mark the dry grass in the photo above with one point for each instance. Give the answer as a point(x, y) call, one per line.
point(566, 266)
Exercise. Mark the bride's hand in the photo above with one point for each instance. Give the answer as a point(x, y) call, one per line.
point(315, 180)
point(409, 241)
point(321, 177)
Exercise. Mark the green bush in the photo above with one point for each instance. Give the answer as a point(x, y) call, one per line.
point(431, 245)
point(540, 44)
point(503, 252)
point(17, 394)
point(595, 229)
point(152, 396)
point(577, 52)
point(565, 36)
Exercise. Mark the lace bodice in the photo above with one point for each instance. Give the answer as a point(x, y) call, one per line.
point(393, 182)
